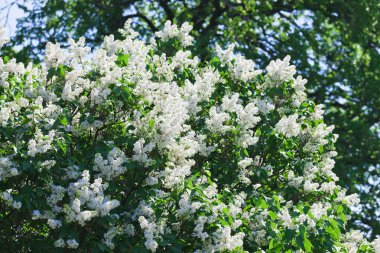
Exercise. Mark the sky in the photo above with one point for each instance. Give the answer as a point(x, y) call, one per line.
point(13, 14)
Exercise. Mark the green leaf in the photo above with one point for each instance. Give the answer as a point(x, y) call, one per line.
point(260, 203)
point(122, 60)
point(151, 123)
point(62, 145)
point(307, 245)
point(289, 234)
point(64, 121)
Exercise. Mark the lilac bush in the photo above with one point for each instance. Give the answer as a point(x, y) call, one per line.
point(143, 147)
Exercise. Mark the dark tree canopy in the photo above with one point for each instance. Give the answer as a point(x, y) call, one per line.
point(335, 43)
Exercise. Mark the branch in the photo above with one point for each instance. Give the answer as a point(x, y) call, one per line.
point(185, 4)
point(8, 7)
point(218, 11)
point(169, 13)
point(144, 18)
point(197, 20)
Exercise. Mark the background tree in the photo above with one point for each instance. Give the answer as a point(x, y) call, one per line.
point(335, 42)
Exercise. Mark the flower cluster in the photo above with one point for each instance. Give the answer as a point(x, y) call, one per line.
point(143, 147)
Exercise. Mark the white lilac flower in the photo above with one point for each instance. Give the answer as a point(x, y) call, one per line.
point(376, 245)
point(72, 244)
point(60, 243)
point(280, 70)
point(3, 39)
point(54, 223)
point(288, 125)
point(245, 163)
point(172, 31)
point(36, 214)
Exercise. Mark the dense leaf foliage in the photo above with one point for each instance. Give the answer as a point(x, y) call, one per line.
point(143, 148)
point(335, 44)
